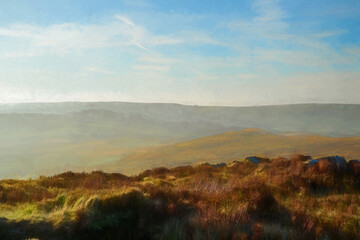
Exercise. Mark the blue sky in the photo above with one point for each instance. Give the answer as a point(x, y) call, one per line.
point(241, 53)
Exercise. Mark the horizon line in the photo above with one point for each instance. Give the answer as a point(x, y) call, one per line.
point(182, 104)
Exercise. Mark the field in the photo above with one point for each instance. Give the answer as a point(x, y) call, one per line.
point(279, 198)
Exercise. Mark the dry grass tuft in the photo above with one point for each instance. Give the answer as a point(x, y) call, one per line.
point(274, 199)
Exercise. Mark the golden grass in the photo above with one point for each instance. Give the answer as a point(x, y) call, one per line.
point(230, 146)
point(278, 199)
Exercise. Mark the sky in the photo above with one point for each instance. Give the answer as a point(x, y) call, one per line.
point(204, 52)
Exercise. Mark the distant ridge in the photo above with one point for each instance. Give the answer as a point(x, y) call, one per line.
point(34, 105)
point(338, 120)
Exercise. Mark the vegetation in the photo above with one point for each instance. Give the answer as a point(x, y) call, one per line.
point(230, 146)
point(273, 199)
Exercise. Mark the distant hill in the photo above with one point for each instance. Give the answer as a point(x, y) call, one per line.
point(230, 146)
point(321, 119)
point(47, 138)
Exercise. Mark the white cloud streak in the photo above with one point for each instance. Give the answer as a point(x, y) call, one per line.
point(260, 47)
point(64, 38)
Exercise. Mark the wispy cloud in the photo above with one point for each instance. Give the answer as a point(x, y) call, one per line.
point(354, 50)
point(137, 3)
point(269, 18)
point(64, 38)
point(329, 33)
point(156, 59)
point(125, 20)
point(268, 38)
point(269, 12)
point(150, 67)
point(96, 69)
point(259, 57)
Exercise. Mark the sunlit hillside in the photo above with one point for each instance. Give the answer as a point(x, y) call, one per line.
point(49, 138)
point(230, 146)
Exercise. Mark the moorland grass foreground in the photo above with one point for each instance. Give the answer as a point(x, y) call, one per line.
point(252, 199)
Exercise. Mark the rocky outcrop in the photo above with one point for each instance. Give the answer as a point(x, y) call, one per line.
point(301, 158)
point(254, 159)
point(354, 167)
point(209, 165)
point(218, 165)
point(328, 164)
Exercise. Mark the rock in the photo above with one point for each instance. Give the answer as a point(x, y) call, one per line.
point(301, 158)
point(256, 160)
point(312, 162)
point(328, 164)
point(339, 162)
point(354, 166)
point(205, 164)
point(220, 165)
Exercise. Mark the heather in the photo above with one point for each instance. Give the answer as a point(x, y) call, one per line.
point(280, 198)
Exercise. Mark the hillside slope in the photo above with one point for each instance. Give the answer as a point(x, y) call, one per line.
point(231, 146)
point(48, 138)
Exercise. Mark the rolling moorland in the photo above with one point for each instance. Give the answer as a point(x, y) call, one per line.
point(49, 138)
point(203, 184)
point(231, 146)
point(255, 198)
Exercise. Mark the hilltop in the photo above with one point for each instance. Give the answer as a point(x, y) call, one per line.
point(321, 119)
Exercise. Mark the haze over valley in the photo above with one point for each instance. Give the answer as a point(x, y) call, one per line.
point(47, 138)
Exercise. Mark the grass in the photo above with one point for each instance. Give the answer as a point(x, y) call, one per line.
point(279, 199)
point(229, 146)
